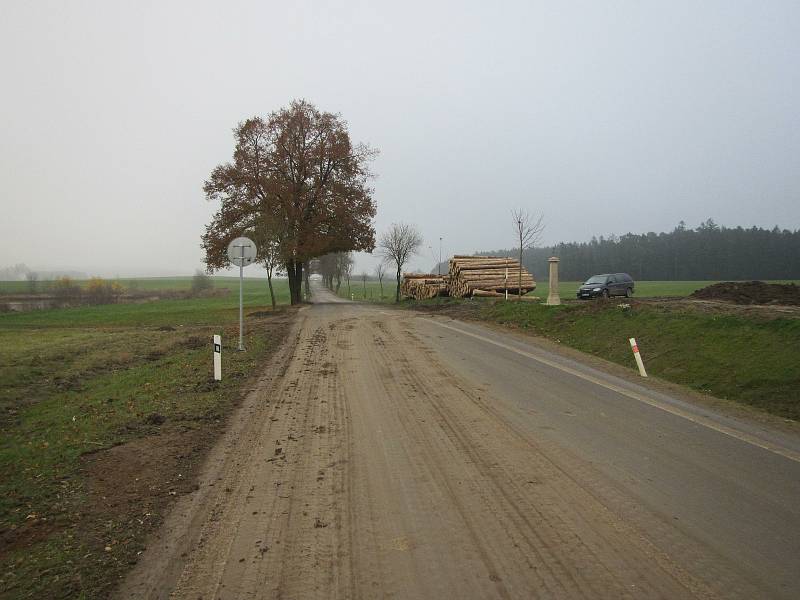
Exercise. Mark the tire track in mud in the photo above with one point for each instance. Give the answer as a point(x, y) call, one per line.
point(412, 456)
point(276, 534)
point(550, 577)
point(687, 555)
point(506, 484)
point(556, 544)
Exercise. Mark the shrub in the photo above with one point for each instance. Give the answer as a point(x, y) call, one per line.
point(33, 279)
point(201, 282)
point(99, 291)
point(65, 288)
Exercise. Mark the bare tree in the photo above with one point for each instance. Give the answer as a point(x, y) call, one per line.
point(33, 279)
point(267, 235)
point(201, 282)
point(347, 270)
point(307, 280)
point(325, 265)
point(343, 268)
point(397, 245)
point(380, 271)
point(529, 229)
point(270, 255)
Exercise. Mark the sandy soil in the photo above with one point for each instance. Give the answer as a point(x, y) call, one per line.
point(361, 466)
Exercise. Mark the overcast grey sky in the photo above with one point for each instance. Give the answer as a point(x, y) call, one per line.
point(609, 117)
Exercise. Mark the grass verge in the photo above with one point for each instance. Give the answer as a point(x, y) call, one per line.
point(106, 413)
point(371, 292)
point(736, 355)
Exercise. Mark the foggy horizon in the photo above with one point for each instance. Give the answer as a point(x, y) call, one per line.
point(606, 119)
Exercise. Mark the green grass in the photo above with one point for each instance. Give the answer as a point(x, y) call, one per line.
point(154, 284)
point(643, 289)
point(742, 358)
point(79, 380)
point(162, 312)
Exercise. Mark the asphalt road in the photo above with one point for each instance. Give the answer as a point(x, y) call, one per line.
point(394, 454)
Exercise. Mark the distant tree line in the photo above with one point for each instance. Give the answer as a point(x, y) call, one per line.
point(21, 272)
point(333, 268)
point(708, 252)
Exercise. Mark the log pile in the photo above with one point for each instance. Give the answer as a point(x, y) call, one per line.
point(423, 286)
point(486, 276)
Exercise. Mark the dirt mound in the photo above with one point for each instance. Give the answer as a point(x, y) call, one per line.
point(751, 292)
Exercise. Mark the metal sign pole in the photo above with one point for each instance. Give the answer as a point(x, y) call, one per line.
point(242, 251)
point(241, 312)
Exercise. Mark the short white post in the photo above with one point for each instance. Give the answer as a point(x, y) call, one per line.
point(506, 282)
point(638, 357)
point(217, 358)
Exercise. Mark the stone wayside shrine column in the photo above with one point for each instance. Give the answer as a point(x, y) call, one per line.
point(553, 299)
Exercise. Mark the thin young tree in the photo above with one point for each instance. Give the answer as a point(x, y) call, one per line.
point(33, 280)
point(267, 235)
point(529, 229)
point(347, 270)
point(344, 265)
point(270, 255)
point(326, 267)
point(397, 245)
point(307, 279)
point(364, 283)
point(380, 271)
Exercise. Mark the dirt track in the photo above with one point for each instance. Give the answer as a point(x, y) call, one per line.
point(372, 468)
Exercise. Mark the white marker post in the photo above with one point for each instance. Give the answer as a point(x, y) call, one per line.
point(638, 357)
point(506, 280)
point(217, 358)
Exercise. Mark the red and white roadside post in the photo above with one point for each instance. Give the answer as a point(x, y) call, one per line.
point(638, 357)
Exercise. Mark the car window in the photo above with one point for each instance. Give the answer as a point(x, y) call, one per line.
point(612, 279)
point(596, 279)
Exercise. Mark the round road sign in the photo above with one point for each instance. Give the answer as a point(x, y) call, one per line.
point(242, 251)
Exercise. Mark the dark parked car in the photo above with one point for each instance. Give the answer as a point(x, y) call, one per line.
point(614, 284)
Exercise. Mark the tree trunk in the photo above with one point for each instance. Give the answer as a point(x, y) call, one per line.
point(294, 270)
point(306, 271)
point(299, 268)
point(397, 292)
point(519, 281)
point(271, 291)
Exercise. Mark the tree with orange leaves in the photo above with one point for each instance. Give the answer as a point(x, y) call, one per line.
point(297, 178)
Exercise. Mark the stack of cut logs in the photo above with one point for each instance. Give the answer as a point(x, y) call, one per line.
point(423, 286)
point(487, 276)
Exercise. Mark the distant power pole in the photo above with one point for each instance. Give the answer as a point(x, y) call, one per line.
point(439, 267)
